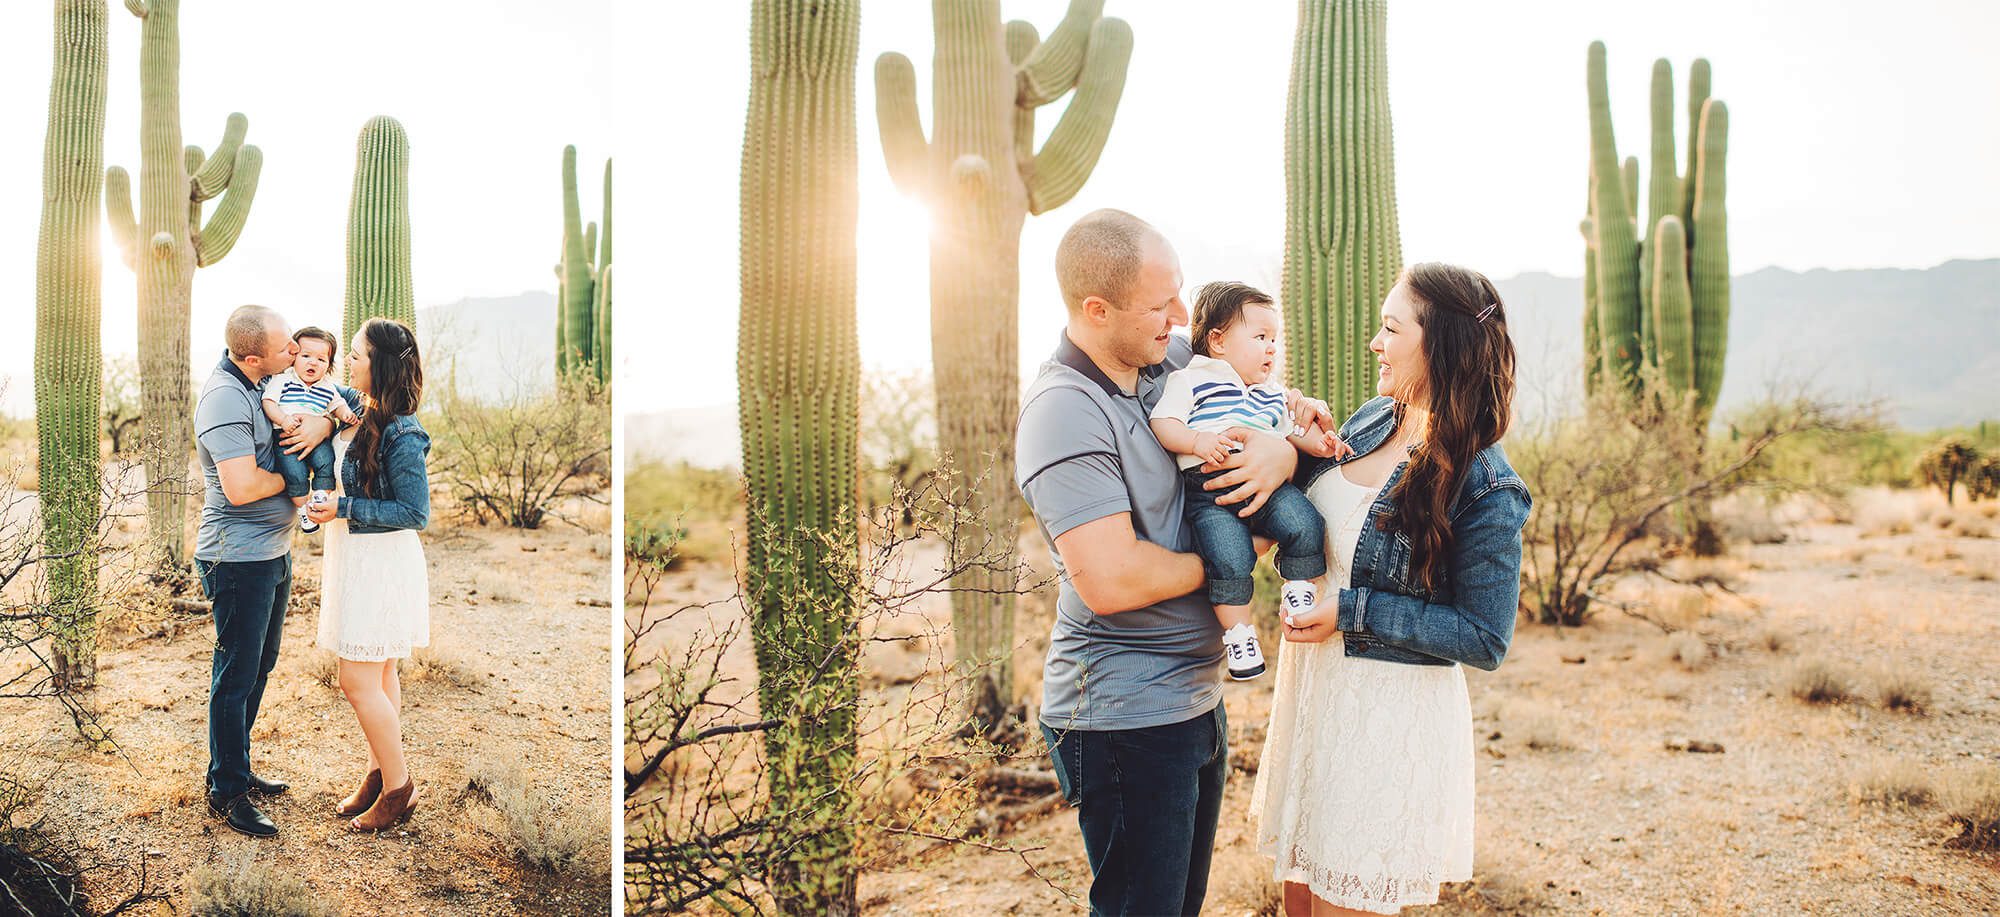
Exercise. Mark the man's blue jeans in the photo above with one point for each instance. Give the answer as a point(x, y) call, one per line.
point(314, 472)
point(1147, 801)
point(249, 599)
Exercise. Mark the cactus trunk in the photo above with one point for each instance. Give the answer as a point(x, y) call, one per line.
point(798, 373)
point(68, 362)
point(981, 178)
point(1343, 249)
point(1684, 209)
point(164, 243)
point(378, 230)
point(578, 331)
point(602, 312)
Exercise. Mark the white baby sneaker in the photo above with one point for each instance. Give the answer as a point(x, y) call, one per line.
point(1246, 658)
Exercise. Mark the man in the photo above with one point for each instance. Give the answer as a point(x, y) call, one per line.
point(1132, 686)
point(243, 550)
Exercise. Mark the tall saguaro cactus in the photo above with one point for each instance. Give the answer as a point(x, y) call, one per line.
point(164, 244)
point(1343, 248)
point(981, 177)
point(379, 283)
point(582, 322)
point(798, 376)
point(68, 306)
point(1684, 255)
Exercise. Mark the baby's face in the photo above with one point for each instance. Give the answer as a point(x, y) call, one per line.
point(313, 359)
point(1250, 345)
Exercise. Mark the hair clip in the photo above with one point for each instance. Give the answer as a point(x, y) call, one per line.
point(405, 354)
point(1486, 312)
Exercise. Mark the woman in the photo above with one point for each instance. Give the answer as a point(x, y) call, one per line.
point(1364, 796)
point(375, 592)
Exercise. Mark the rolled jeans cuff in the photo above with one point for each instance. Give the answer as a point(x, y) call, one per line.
point(1301, 566)
point(1232, 591)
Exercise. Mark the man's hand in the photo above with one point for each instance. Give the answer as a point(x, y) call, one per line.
point(1318, 623)
point(1254, 473)
point(307, 436)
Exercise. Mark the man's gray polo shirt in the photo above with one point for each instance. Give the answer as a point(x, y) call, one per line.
point(1084, 450)
point(229, 422)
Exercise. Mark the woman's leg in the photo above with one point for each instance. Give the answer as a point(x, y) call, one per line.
point(362, 682)
point(1298, 900)
point(1323, 909)
point(392, 687)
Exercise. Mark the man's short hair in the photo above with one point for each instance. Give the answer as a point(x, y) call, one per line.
point(1101, 255)
point(248, 331)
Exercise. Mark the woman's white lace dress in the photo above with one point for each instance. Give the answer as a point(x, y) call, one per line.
point(1365, 788)
point(374, 594)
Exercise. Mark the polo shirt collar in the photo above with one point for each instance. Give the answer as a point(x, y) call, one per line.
point(234, 370)
point(1072, 356)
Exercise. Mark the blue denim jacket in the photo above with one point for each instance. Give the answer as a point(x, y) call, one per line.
point(403, 498)
point(1470, 617)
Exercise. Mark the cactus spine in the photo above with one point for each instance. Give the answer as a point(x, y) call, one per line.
point(798, 374)
point(981, 177)
point(582, 335)
point(1342, 245)
point(68, 305)
point(1687, 236)
point(164, 244)
point(378, 230)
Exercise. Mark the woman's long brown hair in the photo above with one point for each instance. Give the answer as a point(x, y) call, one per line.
point(1471, 389)
point(395, 383)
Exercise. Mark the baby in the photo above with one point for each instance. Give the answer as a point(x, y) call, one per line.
point(305, 391)
point(1224, 390)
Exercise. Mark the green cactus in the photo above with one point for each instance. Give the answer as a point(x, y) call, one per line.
point(379, 283)
point(68, 361)
point(1342, 245)
point(1686, 235)
point(164, 243)
point(798, 374)
point(981, 177)
point(602, 312)
point(576, 300)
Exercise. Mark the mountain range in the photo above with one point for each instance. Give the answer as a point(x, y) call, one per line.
point(1925, 342)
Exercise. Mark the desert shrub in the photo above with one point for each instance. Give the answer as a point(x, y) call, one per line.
point(1904, 689)
point(1626, 482)
point(699, 505)
point(536, 829)
point(254, 888)
point(1773, 639)
point(1972, 801)
point(1894, 782)
point(1817, 682)
point(442, 666)
point(517, 459)
point(898, 434)
point(121, 400)
point(1688, 649)
point(1946, 463)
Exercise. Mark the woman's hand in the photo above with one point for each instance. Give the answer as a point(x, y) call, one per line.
point(322, 513)
point(1318, 623)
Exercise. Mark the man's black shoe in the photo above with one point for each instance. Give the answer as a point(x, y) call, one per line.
point(267, 788)
point(243, 816)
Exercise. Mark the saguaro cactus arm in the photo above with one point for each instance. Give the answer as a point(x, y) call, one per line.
point(904, 149)
point(1022, 40)
point(209, 180)
point(215, 240)
point(1709, 273)
point(136, 7)
point(1071, 152)
point(1673, 308)
point(1617, 247)
point(1053, 67)
point(118, 212)
point(604, 238)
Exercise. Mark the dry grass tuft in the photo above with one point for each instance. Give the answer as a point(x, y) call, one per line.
point(1245, 887)
point(1903, 689)
point(441, 665)
point(1972, 801)
point(1879, 514)
point(1535, 725)
point(1773, 639)
point(1816, 681)
point(531, 824)
point(323, 668)
point(255, 888)
point(497, 585)
point(1894, 782)
point(1689, 650)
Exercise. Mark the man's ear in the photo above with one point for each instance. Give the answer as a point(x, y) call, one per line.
point(1097, 309)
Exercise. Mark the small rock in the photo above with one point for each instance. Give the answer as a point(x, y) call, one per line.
point(1573, 660)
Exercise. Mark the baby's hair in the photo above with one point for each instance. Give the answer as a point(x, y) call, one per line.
point(1218, 305)
point(319, 334)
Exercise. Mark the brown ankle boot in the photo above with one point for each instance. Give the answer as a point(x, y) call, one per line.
point(361, 799)
point(391, 809)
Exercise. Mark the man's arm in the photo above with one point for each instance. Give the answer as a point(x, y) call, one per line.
point(1112, 569)
point(244, 482)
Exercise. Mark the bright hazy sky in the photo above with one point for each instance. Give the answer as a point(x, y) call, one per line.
point(1861, 136)
point(489, 94)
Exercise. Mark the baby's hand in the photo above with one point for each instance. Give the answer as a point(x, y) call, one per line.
point(1213, 447)
point(1339, 446)
point(346, 416)
point(291, 423)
